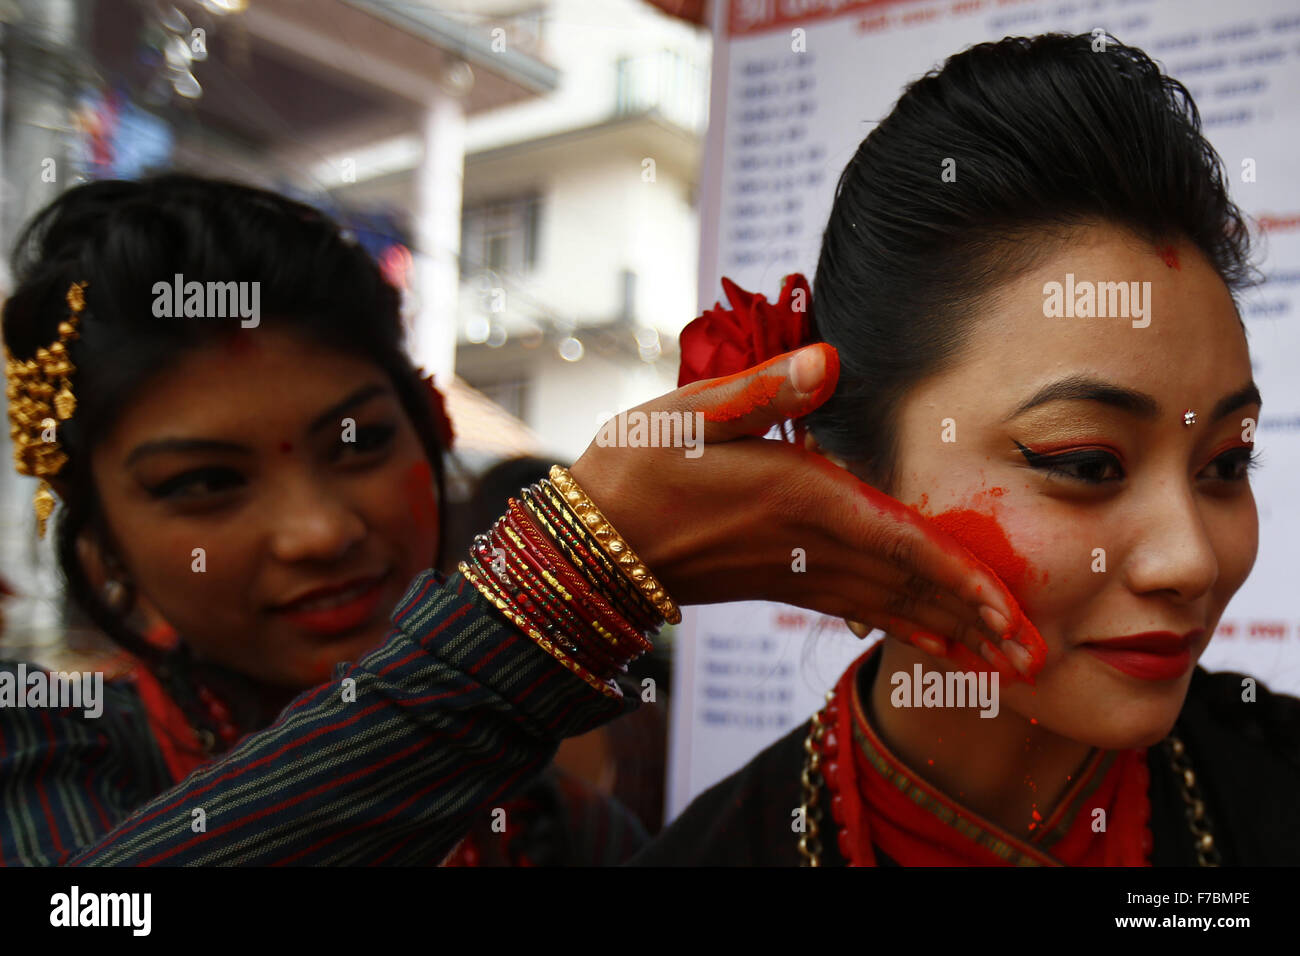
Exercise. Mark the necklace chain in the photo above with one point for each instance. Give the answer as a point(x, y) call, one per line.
point(812, 781)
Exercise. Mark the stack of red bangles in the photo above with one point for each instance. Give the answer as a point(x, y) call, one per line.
point(556, 567)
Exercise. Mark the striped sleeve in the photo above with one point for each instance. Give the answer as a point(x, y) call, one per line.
point(389, 764)
point(66, 779)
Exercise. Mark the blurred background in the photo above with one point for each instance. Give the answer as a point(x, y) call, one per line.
point(541, 179)
point(488, 152)
point(491, 154)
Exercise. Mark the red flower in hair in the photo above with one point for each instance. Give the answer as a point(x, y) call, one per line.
point(725, 341)
point(441, 420)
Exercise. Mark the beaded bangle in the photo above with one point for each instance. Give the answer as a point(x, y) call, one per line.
point(606, 688)
point(529, 603)
point(594, 575)
point(603, 618)
point(525, 605)
point(557, 569)
point(557, 523)
point(625, 559)
point(604, 656)
point(595, 651)
point(571, 520)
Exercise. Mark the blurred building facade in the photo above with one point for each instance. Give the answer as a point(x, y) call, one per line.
point(302, 96)
point(579, 234)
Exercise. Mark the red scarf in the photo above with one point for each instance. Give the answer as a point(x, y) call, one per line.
point(878, 800)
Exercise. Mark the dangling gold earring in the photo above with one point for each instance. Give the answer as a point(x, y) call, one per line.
point(117, 596)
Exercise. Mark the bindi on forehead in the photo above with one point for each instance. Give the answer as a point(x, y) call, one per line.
point(1169, 255)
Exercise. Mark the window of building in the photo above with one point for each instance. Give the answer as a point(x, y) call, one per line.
point(501, 235)
point(510, 395)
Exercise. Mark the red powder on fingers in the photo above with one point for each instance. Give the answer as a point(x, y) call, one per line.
point(831, 356)
point(754, 395)
point(710, 383)
point(761, 389)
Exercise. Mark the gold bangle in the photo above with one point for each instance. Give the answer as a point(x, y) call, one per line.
point(624, 558)
point(608, 689)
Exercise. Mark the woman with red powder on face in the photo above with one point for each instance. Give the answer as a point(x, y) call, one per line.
point(1097, 464)
point(274, 493)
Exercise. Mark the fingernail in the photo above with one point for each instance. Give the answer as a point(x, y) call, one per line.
point(995, 619)
point(858, 628)
point(998, 660)
point(930, 643)
point(1018, 657)
point(808, 370)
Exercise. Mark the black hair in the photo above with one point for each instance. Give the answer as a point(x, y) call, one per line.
point(121, 238)
point(1038, 135)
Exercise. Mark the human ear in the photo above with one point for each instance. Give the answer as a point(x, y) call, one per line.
point(811, 444)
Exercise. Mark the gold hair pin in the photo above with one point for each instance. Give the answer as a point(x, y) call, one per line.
point(40, 396)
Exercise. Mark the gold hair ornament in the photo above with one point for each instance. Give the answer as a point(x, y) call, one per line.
point(40, 396)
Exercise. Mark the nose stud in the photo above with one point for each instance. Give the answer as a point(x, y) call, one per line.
point(1189, 417)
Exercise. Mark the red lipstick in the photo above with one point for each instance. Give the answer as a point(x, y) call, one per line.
point(1155, 655)
point(336, 608)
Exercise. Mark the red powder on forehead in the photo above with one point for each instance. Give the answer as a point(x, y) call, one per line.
point(1170, 256)
point(983, 537)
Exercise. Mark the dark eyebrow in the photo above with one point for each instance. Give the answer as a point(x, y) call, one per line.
point(1085, 388)
point(1246, 395)
point(331, 416)
point(183, 445)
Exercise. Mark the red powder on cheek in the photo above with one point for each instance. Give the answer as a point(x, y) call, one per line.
point(965, 537)
point(983, 536)
point(322, 668)
point(418, 490)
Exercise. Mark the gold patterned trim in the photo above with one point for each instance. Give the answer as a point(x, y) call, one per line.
point(624, 558)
